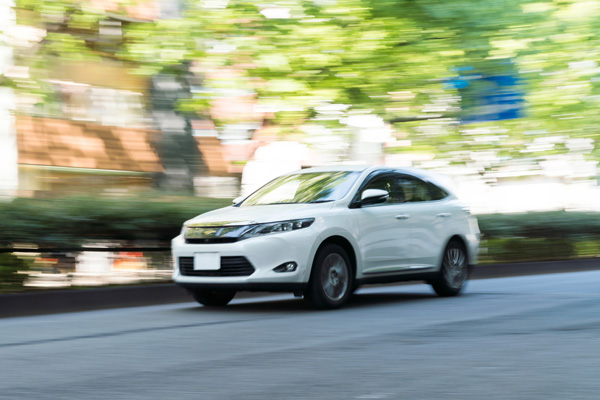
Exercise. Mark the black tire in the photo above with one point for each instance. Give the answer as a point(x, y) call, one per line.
point(213, 298)
point(331, 278)
point(454, 271)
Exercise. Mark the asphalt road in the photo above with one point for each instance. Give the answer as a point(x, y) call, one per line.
point(534, 337)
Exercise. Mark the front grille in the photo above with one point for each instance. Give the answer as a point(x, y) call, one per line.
point(230, 266)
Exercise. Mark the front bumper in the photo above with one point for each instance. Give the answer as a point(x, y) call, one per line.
point(248, 286)
point(264, 253)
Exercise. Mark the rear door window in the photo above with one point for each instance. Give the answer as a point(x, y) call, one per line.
point(413, 190)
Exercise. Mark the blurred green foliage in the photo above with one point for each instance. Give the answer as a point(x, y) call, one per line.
point(10, 278)
point(388, 57)
point(538, 236)
point(507, 250)
point(70, 222)
point(563, 225)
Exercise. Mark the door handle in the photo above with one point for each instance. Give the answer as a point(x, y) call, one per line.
point(443, 215)
point(402, 216)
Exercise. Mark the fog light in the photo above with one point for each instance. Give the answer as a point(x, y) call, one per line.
point(286, 267)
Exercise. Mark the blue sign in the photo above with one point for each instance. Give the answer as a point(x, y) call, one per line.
point(488, 98)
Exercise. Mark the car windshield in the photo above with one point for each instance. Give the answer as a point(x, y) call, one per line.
point(313, 187)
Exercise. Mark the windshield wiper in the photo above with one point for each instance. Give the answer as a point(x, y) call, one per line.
point(319, 201)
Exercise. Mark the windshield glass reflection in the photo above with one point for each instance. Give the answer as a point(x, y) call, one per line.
point(316, 187)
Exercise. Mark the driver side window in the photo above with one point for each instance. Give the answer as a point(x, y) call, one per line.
point(387, 183)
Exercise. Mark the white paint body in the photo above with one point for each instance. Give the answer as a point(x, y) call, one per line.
point(388, 240)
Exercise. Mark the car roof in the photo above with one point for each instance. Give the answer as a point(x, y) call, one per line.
point(334, 168)
point(437, 178)
point(364, 167)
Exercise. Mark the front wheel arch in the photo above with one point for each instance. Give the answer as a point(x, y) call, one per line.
point(344, 244)
point(318, 285)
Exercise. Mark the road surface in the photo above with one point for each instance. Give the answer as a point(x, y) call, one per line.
point(534, 337)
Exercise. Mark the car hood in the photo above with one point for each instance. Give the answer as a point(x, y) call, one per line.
point(257, 214)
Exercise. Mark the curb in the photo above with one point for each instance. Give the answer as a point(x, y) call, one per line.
point(62, 301)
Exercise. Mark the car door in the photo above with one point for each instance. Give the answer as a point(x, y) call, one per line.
point(382, 229)
point(428, 216)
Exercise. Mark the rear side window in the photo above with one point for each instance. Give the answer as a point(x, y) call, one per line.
point(437, 193)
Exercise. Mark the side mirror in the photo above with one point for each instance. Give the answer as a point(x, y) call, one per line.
point(373, 196)
point(238, 200)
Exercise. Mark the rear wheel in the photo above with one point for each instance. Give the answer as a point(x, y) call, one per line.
point(454, 271)
point(213, 298)
point(331, 278)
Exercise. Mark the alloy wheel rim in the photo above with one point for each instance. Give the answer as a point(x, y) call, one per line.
point(455, 268)
point(334, 277)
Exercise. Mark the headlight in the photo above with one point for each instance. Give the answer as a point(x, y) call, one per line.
point(215, 232)
point(204, 234)
point(277, 227)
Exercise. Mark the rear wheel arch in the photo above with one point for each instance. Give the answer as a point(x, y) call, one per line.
point(460, 240)
point(454, 268)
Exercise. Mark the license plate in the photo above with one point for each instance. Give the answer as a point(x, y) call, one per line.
point(207, 261)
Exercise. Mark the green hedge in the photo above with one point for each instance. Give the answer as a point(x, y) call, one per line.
point(69, 222)
point(156, 219)
point(539, 236)
point(10, 278)
point(554, 224)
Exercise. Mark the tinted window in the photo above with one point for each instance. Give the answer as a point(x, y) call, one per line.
point(413, 190)
point(437, 193)
point(387, 183)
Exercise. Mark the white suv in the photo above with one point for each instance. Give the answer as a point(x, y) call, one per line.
point(322, 232)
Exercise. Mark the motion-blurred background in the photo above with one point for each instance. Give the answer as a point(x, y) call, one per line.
point(119, 119)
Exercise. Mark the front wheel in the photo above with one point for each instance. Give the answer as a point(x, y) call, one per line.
point(213, 298)
point(454, 271)
point(331, 278)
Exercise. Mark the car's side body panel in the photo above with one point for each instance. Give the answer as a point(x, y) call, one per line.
point(382, 238)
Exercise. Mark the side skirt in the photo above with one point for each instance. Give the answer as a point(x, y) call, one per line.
point(421, 276)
